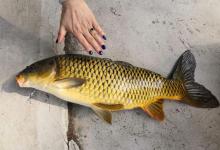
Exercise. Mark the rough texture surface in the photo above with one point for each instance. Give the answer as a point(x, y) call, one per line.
point(28, 120)
point(146, 33)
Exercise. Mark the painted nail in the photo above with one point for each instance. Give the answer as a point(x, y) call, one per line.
point(57, 41)
point(100, 52)
point(103, 47)
point(90, 52)
point(104, 37)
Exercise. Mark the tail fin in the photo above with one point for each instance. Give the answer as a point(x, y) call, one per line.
point(197, 95)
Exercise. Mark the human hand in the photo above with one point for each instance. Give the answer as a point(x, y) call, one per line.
point(78, 19)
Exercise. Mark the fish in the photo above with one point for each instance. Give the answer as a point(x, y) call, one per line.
point(106, 86)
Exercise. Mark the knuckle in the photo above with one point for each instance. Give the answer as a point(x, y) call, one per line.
point(79, 38)
point(77, 29)
point(91, 39)
point(98, 39)
point(87, 46)
point(61, 33)
point(84, 43)
point(97, 47)
point(97, 27)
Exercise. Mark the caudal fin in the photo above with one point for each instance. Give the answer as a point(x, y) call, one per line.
point(197, 95)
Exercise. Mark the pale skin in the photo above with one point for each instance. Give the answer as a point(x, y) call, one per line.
point(78, 19)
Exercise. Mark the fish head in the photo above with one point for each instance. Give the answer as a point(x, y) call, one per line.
point(37, 74)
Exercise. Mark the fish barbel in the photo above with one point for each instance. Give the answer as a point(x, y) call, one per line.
point(105, 85)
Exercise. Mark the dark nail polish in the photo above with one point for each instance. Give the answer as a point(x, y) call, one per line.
point(90, 52)
point(104, 37)
point(100, 52)
point(57, 41)
point(103, 47)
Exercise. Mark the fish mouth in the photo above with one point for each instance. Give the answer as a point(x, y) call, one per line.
point(20, 80)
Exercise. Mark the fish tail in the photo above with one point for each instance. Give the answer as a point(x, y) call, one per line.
point(196, 94)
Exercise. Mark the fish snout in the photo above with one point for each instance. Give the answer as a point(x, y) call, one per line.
point(20, 80)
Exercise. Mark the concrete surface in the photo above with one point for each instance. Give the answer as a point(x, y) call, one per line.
point(147, 33)
point(40, 122)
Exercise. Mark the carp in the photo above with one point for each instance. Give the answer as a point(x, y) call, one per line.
point(105, 85)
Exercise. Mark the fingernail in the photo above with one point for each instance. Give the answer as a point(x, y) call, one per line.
point(90, 52)
point(57, 41)
point(100, 52)
point(103, 47)
point(104, 37)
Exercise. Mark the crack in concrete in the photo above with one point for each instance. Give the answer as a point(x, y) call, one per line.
point(71, 45)
point(71, 136)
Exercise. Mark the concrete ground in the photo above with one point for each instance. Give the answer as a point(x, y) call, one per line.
point(146, 33)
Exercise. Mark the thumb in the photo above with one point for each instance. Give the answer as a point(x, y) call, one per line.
point(61, 35)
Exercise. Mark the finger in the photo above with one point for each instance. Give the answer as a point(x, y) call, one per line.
point(61, 35)
point(84, 43)
point(99, 29)
point(97, 37)
point(92, 42)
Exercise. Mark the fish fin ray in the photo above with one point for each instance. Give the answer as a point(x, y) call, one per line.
point(196, 94)
point(155, 110)
point(69, 82)
point(103, 114)
point(110, 107)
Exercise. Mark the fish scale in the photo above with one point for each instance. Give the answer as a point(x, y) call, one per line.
point(115, 83)
point(105, 85)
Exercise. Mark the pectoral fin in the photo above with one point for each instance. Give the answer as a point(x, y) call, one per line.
point(103, 114)
point(110, 107)
point(69, 82)
point(155, 110)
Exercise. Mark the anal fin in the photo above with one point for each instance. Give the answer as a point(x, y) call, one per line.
point(103, 114)
point(155, 110)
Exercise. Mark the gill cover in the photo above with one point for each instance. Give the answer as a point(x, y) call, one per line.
point(45, 68)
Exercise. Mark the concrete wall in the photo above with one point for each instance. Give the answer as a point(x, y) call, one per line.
point(147, 33)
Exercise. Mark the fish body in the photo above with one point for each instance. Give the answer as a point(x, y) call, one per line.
point(105, 85)
point(111, 82)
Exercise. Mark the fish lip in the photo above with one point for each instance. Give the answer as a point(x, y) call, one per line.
point(20, 80)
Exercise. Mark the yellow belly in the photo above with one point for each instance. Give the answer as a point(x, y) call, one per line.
point(88, 95)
